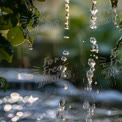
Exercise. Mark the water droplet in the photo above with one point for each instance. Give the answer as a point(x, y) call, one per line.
point(86, 105)
point(94, 2)
point(65, 87)
point(63, 58)
point(63, 68)
point(62, 103)
point(95, 83)
point(88, 119)
point(65, 52)
point(30, 47)
point(66, 28)
point(93, 12)
point(66, 37)
point(89, 87)
point(67, 1)
point(91, 62)
point(90, 74)
point(96, 57)
point(93, 40)
point(94, 48)
point(93, 19)
point(92, 69)
point(67, 6)
point(93, 26)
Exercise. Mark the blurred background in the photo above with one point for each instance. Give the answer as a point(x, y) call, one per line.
point(49, 42)
point(29, 74)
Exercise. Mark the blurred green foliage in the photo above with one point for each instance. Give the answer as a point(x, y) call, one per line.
point(18, 18)
point(78, 44)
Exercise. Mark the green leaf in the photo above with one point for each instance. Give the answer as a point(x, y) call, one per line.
point(15, 36)
point(7, 21)
point(114, 3)
point(3, 84)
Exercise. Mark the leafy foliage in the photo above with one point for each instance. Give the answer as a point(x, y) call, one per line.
point(19, 17)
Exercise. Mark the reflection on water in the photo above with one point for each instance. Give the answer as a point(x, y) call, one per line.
point(44, 106)
point(57, 102)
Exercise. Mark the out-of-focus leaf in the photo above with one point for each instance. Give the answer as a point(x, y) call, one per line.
point(7, 21)
point(7, 10)
point(3, 84)
point(15, 36)
point(114, 3)
point(5, 56)
point(6, 49)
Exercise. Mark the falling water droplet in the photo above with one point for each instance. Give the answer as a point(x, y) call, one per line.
point(88, 119)
point(60, 113)
point(89, 74)
point(66, 37)
point(89, 87)
point(92, 109)
point(95, 83)
point(96, 57)
point(93, 17)
point(86, 105)
point(66, 24)
point(91, 62)
point(30, 47)
point(65, 52)
point(63, 68)
point(93, 12)
point(94, 2)
point(93, 40)
point(115, 17)
point(62, 103)
point(63, 58)
point(65, 87)
point(94, 48)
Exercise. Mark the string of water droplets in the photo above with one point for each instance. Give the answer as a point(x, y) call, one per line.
point(60, 113)
point(93, 16)
point(115, 15)
point(66, 26)
point(90, 75)
point(63, 68)
point(91, 62)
